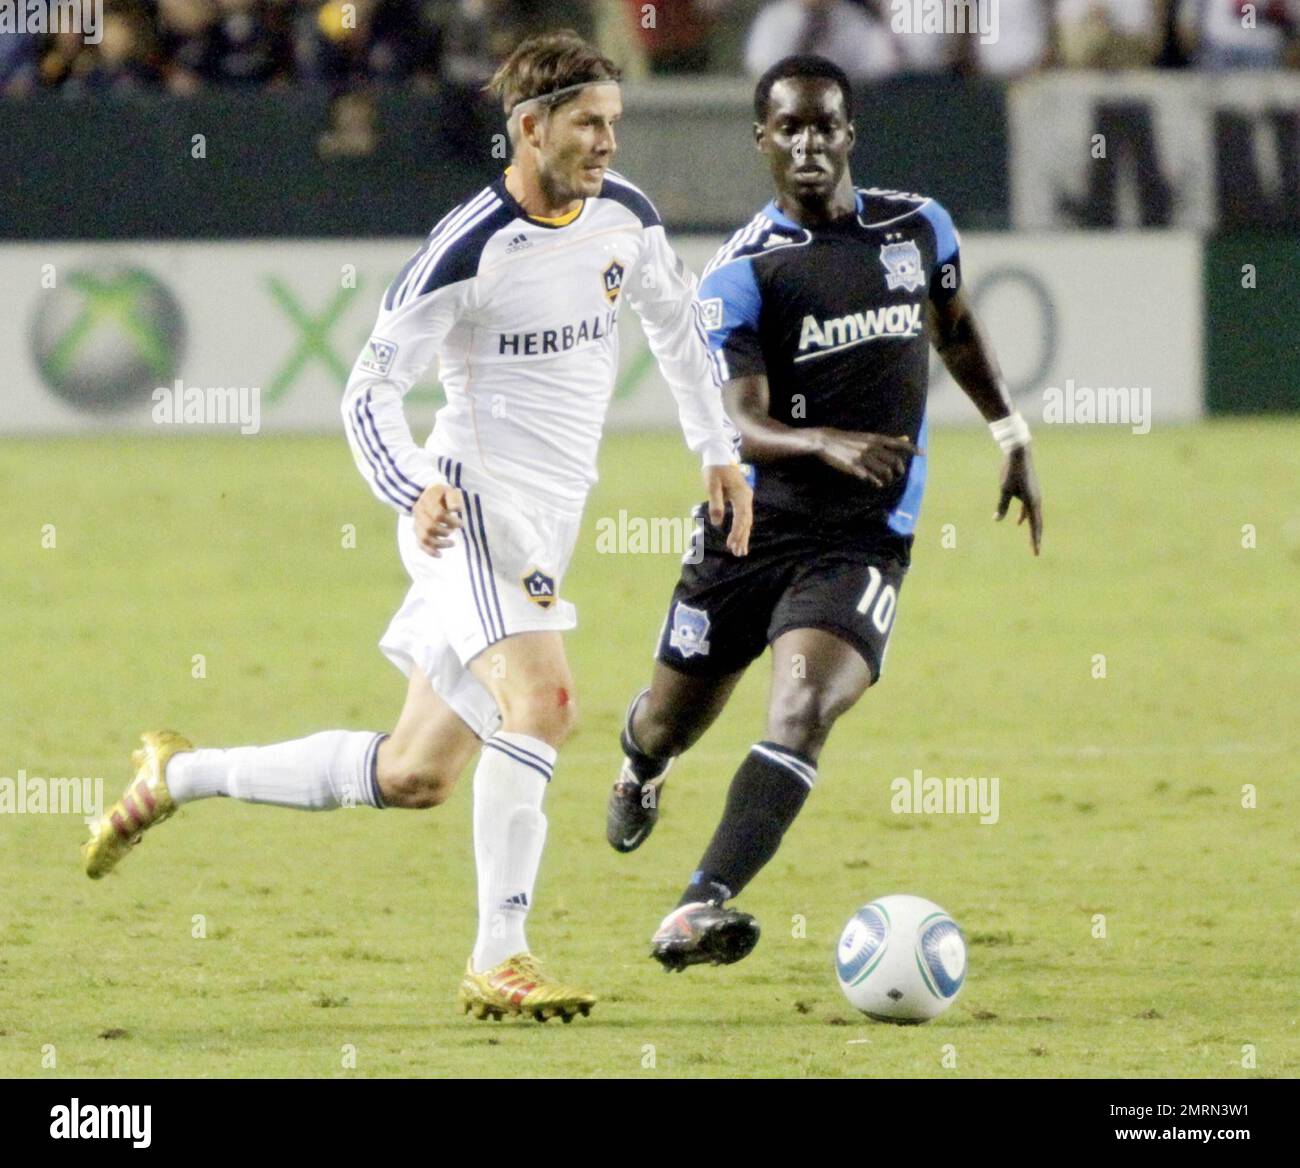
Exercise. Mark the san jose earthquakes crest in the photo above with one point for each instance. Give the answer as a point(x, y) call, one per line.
point(903, 265)
point(690, 633)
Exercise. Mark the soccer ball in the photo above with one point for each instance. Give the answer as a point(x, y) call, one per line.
point(901, 959)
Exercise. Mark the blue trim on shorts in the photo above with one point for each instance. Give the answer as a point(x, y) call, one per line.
point(473, 560)
point(476, 502)
point(902, 519)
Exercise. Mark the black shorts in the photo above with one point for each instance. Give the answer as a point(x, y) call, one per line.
point(727, 609)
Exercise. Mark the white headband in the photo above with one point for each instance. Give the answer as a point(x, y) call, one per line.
point(556, 94)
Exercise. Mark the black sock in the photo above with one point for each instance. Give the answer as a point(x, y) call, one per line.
point(765, 796)
point(644, 766)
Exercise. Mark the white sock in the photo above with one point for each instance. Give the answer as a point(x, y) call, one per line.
point(335, 768)
point(509, 834)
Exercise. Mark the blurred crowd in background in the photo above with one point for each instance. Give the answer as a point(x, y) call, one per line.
point(182, 46)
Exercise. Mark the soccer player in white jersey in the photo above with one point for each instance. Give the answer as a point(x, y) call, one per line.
point(516, 295)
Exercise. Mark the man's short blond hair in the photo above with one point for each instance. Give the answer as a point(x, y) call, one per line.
point(548, 64)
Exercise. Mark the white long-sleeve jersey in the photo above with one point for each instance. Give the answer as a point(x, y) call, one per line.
point(521, 316)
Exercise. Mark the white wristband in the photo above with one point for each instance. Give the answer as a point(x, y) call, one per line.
point(1011, 433)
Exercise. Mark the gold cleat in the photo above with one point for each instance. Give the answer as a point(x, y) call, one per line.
point(145, 802)
point(518, 986)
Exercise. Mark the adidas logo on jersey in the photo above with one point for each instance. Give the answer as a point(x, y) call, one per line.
point(519, 242)
point(817, 338)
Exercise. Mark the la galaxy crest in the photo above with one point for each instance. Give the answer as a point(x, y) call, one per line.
point(613, 278)
point(902, 265)
point(540, 588)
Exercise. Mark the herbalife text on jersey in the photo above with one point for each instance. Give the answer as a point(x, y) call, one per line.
point(954, 17)
point(85, 18)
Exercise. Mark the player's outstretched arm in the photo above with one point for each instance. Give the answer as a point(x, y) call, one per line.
point(879, 459)
point(968, 356)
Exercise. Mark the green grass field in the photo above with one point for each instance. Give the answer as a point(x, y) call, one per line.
point(346, 932)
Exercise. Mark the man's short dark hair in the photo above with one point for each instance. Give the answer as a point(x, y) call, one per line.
point(805, 66)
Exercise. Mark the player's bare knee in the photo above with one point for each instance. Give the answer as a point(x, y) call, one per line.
point(413, 783)
point(422, 788)
point(801, 716)
point(548, 712)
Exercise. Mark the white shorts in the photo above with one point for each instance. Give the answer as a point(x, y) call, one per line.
point(502, 577)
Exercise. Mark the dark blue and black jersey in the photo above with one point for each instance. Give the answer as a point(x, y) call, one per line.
point(835, 318)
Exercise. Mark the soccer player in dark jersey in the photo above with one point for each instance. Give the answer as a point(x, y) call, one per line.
point(819, 314)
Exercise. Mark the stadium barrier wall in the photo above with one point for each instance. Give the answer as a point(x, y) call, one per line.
point(229, 165)
point(1252, 295)
point(96, 330)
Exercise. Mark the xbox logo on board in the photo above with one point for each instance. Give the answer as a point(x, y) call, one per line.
point(107, 336)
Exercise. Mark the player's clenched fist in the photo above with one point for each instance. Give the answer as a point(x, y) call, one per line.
point(876, 458)
point(437, 514)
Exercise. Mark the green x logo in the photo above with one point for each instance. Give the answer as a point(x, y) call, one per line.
point(313, 339)
point(112, 301)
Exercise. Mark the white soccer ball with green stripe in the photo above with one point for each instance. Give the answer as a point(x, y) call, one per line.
point(901, 959)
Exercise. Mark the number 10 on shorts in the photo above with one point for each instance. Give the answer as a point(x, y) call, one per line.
point(884, 599)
